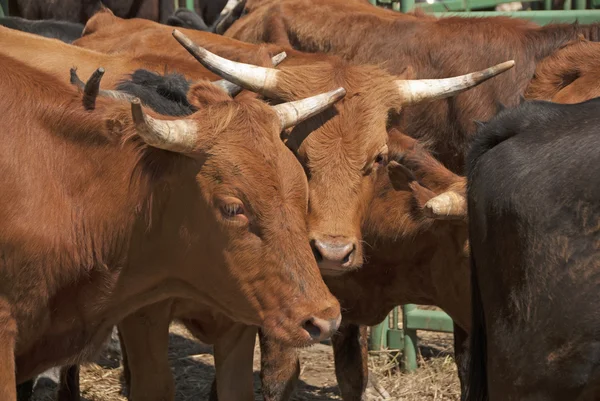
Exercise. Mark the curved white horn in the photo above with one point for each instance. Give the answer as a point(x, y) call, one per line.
point(446, 206)
point(292, 113)
point(175, 135)
point(233, 89)
point(419, 90)
point(251, 77)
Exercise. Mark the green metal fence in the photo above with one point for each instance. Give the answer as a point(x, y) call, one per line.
point(389, 335)
point(573, 10)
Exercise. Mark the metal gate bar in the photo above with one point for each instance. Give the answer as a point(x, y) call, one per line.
point(413, 319)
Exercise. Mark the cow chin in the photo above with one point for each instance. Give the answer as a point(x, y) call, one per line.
point(329, 269)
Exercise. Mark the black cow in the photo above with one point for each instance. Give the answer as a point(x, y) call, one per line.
point(189, 19)
point(61, 30)
point(185, 18)
point(81, 10)
point(534, 226)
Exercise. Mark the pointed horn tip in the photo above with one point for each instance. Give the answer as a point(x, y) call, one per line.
point(338, 93)
point(136, 111)
point(506, 65)
point(278, 58)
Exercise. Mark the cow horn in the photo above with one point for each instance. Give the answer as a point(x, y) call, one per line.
point(251, 77)
point(230, 5)
point(175, 135)
point(91, 89)
point(446, 206)
point(233, 89)
point(292, 113)
point(419, 90)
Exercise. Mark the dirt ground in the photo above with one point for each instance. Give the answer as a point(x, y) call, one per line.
point(193, 367)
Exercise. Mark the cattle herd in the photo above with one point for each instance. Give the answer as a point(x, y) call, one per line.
point(294, 169)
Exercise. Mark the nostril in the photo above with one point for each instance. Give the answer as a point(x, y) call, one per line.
point(316, 252)
point(312, 329)
point(349, 255)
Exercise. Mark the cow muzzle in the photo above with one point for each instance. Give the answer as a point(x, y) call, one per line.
point(336, 255)
point(321, 329)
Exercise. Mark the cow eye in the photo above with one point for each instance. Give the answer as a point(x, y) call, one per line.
point(231, 210)
point(381, 159)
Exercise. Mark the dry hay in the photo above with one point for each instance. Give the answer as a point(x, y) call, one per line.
point(192, 365)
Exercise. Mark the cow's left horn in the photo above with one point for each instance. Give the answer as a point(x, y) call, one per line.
point(175, 135)
point(292, 113)
point(446, 206)
point(233, 89)
point(419, 90)
point(251, 77)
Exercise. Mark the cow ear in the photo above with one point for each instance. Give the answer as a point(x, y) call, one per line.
point(448, 205)
point(203, 93)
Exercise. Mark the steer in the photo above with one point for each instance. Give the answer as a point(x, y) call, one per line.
point(434, 48)
point(534, 229)
point(106, 211)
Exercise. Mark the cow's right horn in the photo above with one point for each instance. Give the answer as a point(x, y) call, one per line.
point(292, 113)
point(233, 89)
point(175, 135)
point(419, 90)
point(91, 89)
point(257, 79)
point(446, 206)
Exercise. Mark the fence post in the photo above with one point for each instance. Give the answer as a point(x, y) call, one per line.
point(189, 4)
point(378, 337)
point(407, 5)
point(4, 8)
point(410, 340)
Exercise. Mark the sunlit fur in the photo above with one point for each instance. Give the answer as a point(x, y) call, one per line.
point(334, 146)
point(436, 48)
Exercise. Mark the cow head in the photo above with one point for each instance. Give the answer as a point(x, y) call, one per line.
point(344, 148)
point(237, 206)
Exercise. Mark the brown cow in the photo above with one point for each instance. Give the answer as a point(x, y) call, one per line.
point(57, 58)
point(363, 34)
point(107, 211)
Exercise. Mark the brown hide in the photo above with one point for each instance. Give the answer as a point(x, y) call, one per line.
point(96, 224)
point(342, 149)
point(569, 75)
point(435, 48)
point(57, 58)
point(411, 258)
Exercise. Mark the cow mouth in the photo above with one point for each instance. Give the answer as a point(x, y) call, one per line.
point(334, 270)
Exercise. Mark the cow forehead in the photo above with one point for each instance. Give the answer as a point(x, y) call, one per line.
point(353, 130)
point(255, 168)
